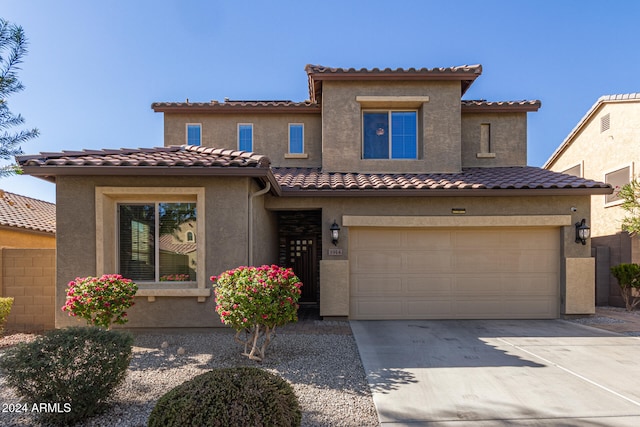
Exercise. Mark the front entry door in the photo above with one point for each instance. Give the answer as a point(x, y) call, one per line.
point(301, 258)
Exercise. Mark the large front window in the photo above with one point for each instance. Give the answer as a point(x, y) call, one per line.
point(154, 244)
point(390, 135)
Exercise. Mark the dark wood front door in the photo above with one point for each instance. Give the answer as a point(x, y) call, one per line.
point(301, 256)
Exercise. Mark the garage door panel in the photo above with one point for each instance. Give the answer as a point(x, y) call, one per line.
point(382, 262)
point(454, 273)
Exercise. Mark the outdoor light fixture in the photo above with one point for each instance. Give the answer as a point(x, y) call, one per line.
point(335, 232)
point(582, 232)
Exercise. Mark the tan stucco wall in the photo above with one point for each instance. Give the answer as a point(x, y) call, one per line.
point(28, 275)
point(604, 152)
point(580, 292)
point(226, 207)
point(439, 126)
point(15, 238)
point(337, 208)
point(508, 139)
point(270, 134)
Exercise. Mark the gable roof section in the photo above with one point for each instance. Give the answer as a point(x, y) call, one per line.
point(23, 212)
point(499, 181)
point(605, 99)
point(466, 74)
point(174, 160)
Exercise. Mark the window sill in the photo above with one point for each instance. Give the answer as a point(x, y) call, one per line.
point(296, 156)
point(486, 155)
point(151, 294)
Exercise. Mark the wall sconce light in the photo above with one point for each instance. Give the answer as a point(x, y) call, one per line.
point(582, 232)
point(335, 232)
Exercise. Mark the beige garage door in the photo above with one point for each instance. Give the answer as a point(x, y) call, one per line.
point(487, 273)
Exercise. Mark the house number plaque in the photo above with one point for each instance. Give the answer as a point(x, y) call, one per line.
point(335, 251)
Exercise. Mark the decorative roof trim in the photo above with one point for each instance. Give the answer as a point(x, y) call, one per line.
point(483, 106)
point(605, 99)
point(231, 107)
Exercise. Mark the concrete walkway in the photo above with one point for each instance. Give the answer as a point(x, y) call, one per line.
point(500, 372)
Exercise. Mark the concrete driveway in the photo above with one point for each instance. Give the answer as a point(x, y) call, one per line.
point(500, 372)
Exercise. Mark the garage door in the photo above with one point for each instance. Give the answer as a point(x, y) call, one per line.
point(468, 273)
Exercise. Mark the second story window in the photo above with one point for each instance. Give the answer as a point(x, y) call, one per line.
point(194, 134)
point(296, 138)
point(390, 135)
point(245, 136)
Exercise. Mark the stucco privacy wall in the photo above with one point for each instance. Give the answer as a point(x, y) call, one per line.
point(333, 268)
point(439, 144)
point(28, 275)
point(225, 245)
point(270, 134)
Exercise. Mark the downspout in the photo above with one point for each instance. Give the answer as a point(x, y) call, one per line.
point(265, 190)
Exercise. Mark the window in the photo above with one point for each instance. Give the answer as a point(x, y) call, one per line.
point(390, 135)
point(296, 138)
point(245, 137)
point(190, 237)
point(151, 246)
point(194, 134)
point(617, 179)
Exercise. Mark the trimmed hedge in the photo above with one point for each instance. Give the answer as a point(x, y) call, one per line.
point(244, 396)
point(79, 366)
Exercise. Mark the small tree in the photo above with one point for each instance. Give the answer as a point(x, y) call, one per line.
point(630, 195)
point(100, 301)
point(628, 276)
point(5, 310)
point(13, 47)
point(256, 300)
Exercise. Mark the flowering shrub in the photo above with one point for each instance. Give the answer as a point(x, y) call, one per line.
point(100, 301)
point(174, 278)
point(256, 300)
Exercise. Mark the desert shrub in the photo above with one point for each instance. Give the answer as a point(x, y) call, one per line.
point(628, 276)
point(255, 300)
point(245, 396)
point(76, 367)
point(101, 301)
point(5, 309)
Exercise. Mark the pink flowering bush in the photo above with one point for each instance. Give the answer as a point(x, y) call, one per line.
point(256, 300)
point(175, 278)
point(100, 301)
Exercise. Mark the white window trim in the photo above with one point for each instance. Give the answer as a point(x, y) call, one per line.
point(289, 139)
point(107, 199)
point(389, 111)
point(604, 179)
point(253, 136)
point(186, 132)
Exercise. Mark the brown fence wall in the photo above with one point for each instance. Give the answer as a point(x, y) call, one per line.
point(29, 276)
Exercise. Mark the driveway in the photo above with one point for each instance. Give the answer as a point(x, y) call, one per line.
point(500, 372)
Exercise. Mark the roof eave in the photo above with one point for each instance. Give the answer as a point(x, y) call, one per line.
point(476, 192)
point(235, 109)
point(519, 108)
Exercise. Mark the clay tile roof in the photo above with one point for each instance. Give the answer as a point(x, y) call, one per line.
point(320, 71)
point(483, 106)
point(172, 157)
point(501, 178)
point(234, 106)
point(27, 213)
point(168, 244)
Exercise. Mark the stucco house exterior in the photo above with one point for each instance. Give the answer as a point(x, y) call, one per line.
point(605, 146)
point(437, 214)
point(26, 222)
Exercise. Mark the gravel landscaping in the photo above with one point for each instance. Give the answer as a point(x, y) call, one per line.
point(324, 369)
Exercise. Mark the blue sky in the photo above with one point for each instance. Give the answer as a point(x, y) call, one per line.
point(94, 68)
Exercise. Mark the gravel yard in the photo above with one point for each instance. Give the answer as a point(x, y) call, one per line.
point(324, 369)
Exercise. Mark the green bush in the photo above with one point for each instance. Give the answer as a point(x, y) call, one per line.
point(628, 276)
point(245, 396)
point(76, 367)
point(5, 309)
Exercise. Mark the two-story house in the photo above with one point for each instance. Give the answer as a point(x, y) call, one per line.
point(389, 195)
point(605, 145)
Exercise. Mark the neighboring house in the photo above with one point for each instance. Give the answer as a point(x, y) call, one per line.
point(439, 216)
point(605, 145)
point(27, 261)
point(26, 222)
